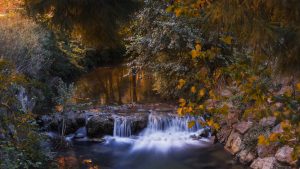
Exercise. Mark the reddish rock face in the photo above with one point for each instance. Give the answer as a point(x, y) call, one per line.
point(284, 155)
point(243, 127)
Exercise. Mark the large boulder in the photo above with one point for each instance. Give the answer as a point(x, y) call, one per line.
point(264, 163)
point(73, 121)
point(284, 155)
point(234, 143)
point(100, 125)
point(243, 127)
point(139, 122)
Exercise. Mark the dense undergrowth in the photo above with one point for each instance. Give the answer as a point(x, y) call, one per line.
point(215, 56)
point(216, 60)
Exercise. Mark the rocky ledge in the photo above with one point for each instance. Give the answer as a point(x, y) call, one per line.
point(240, 139)
point(100, 122)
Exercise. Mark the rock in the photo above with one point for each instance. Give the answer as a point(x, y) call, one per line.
point(246, 156)
point(267, 150)
point(80, 133)
point(234, 142)
point(284, 155)
point(232, 118)
point(226, 93)
point(205, 133)
point(264, 163)
point(139, 122)
point(268, 121)
point(285, 89)
point(243, 127)
point(100, 125)
point(277, 129)
point(195, 137)
point(73, 121)
point(223, 134)
point(213, 139)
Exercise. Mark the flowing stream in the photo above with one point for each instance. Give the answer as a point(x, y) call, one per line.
point(166, 143)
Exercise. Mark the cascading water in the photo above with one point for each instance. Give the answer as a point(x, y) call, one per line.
point(122, 127)
point(163, 131)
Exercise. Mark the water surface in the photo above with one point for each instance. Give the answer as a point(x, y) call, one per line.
point(116, 155)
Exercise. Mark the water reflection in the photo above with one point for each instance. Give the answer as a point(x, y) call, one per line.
point(116, 155)
point(108, 85)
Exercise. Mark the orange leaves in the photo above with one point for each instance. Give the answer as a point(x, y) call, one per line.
point(182, 102)
point(181, 83)
point(262, 140)
point(227, 40)
point(213, 124)
point(191, 124)
point(201, 93)
point(274, 137)
point(193, 89)
point(197, 51)
point(180, 111)
point(298, 87)
point(178, 11)
point(195, 54)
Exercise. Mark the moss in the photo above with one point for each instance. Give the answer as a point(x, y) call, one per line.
point(250, 138)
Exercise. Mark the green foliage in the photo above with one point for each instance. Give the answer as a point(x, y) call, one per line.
point(95, 22)
point(223, 55)
point(269, 29)
point(21, 146)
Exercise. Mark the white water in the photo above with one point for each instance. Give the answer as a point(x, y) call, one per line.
point(163, 132)
point(122, 127)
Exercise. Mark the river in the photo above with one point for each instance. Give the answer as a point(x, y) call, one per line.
point(166, 142)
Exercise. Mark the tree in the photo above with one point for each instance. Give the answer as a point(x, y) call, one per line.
point(95, 22)
point(268, 29)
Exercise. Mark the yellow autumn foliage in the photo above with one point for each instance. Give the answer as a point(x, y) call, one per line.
point(182, 102)
point(193, 89)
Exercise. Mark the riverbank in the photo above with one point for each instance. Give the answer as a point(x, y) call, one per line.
point(151, 132)
point(238, 137)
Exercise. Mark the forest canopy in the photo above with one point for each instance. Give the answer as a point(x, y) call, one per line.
point(95, 22)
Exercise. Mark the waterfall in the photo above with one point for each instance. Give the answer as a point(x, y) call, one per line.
point(170, 122)
point(163, 131)
point(122, 127)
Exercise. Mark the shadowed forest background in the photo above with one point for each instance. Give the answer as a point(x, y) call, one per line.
point(226, 61)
